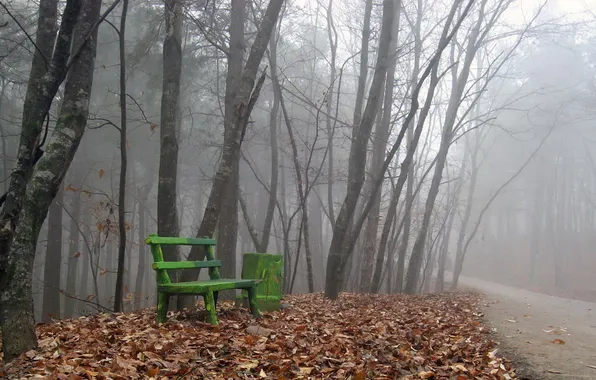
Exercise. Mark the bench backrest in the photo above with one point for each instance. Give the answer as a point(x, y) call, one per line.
point(161, 267)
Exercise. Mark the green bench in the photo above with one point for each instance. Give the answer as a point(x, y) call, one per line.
point(208, 289)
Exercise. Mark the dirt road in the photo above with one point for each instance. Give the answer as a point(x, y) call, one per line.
point(548, 337)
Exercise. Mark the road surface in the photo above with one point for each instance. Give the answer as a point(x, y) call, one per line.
point(548, 337)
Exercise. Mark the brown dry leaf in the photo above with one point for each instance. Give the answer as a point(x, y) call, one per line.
point(152, 372)
point(558, 341)
point(249, 365)
point(306, 370)
point(426, 374)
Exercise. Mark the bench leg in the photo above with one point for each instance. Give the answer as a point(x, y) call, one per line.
point(210, 306)
point(252, 302)
point(163, 303)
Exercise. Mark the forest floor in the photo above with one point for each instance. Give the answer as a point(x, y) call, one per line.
point(547, 337)
point(358, 337)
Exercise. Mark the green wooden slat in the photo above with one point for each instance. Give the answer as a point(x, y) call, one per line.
point(213, 271)
point(154, 239)
point(161, 275)
point(186, 264)
point(202, 287)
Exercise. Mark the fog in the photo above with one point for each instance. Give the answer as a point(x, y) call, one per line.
point(500, 183)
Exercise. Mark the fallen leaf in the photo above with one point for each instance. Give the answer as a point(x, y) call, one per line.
point(258, 330)
point(558, 341)
point(426, 374)
point(305, 370)
point(249, 365)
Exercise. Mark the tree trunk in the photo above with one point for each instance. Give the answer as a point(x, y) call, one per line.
point(363, 66)
point(109, 271)
point(227, 236)
point(264, 243)
point(123, 165)
point(142, 270)
point(167, 211)
point(53, 261)
point(88, 251)
point(18, 324)
point(332, 35)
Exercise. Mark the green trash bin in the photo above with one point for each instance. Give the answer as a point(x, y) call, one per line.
point(268, 268)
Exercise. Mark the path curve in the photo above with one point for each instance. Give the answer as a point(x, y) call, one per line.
point(555, 337)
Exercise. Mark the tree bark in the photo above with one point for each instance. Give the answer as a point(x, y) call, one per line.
point(227, 236)
point(48, 70)
point(109, 268)
point(264, 243)
point(363, 67)
point(18, 324)
point(332, 35)
point(123, 165)
point(141, 270)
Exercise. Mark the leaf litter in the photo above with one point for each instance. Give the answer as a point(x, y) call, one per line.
point(359, 336)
